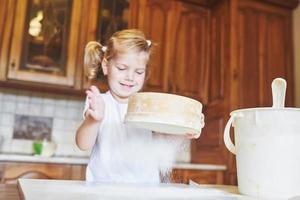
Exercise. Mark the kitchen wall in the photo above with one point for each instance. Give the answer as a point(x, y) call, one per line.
point(296, 16)
point(66, 112)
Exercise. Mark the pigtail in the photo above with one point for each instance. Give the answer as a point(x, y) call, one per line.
point(93, 55)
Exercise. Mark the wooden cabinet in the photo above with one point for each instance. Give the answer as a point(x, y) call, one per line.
point(264, 43)
point(191, 59)
point(42, 53)
point(198, 176)
point(224, 54)
point(11, 171)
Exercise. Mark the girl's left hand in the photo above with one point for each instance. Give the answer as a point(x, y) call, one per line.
point(194, 135)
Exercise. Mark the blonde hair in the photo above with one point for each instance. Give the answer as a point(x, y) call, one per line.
point(120, 42)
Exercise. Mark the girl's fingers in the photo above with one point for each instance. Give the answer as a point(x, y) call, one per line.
point(95, 90)
point(189, 135)
point(89, 93)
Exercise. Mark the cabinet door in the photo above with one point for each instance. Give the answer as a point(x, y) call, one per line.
point(199, 63)
point(44, 41)
point(10, 172)
point(198, 176)
point(155, 18)
point(13, 171)
point(189, 64)
point(265, 52)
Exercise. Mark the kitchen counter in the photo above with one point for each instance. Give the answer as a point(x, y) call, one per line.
point(41, 159)
point(84, 161)
point(31, 189)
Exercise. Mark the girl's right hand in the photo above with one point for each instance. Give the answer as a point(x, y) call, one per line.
point(96, 104)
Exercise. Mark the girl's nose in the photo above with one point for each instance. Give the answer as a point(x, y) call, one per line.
point(130, 76)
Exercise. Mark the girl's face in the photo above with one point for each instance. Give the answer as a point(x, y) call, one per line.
point(125, 74)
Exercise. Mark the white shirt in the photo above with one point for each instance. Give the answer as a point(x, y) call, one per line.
point(119, 154)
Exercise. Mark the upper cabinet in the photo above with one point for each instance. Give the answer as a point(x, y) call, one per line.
point(44, 40)
point(155, 19)
point(265, 51)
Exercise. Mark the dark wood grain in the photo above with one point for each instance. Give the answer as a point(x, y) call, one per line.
point(9, 192)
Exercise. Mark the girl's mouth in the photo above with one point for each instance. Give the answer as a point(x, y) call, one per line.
point(126, 85)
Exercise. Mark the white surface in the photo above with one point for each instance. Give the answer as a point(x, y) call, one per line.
point(40, 159)
point(80, 190)
point(84, 161)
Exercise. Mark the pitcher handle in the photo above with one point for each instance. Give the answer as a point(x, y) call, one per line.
point(227, 140)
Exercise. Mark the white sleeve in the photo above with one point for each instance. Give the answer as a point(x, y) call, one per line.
point(86, 107)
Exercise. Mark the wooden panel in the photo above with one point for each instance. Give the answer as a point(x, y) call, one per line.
point(13, 171)
point(209, 148)
point(248, 59)
point(154, 22)
point(278, 54)
point(285, 3)
point(212, 136)
point(190, 58)
point(15, 72)
point(88, 23)
point(9, 192)
point(219, 46)
point(198, 176)
point(3, 10)
point(264, 54)
point(78, 172)
point(5, 39)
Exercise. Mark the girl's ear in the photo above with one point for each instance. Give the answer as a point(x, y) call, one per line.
point(104, 66)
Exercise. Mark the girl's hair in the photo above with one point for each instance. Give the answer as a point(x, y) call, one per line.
point(120, 42)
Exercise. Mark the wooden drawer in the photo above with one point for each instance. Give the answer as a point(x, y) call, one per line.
point(198, 176)
point(11, 171)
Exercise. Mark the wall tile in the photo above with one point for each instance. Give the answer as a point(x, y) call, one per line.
point(7, 119)
point(36, 99)
point(6, 132)
point(47, 110)
point(60, 112)
point(8, 106)
point(35, 109)
point(59, 124)
point(6, 146)
point(22, 108)
point(72, 113)
point(49, 99)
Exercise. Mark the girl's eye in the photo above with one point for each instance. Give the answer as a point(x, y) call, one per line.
point(121, 68)
point(140, 72)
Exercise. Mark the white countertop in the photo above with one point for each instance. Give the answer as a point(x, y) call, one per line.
point(41, 159)
point(80, 190)
point(84, 161)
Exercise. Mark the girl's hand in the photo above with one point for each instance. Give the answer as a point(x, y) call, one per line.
point(96, 104)
point(195, 136)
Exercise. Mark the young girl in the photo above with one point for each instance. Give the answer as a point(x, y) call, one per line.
point(120, 153)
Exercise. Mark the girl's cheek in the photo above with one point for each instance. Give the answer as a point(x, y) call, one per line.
point(141, 79)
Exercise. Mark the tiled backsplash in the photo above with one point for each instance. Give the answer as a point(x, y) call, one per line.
point(66, 112)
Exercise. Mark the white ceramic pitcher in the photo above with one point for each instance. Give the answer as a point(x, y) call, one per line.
point(267, 147)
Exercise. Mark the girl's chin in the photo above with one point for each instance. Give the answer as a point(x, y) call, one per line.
point(124, 94)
